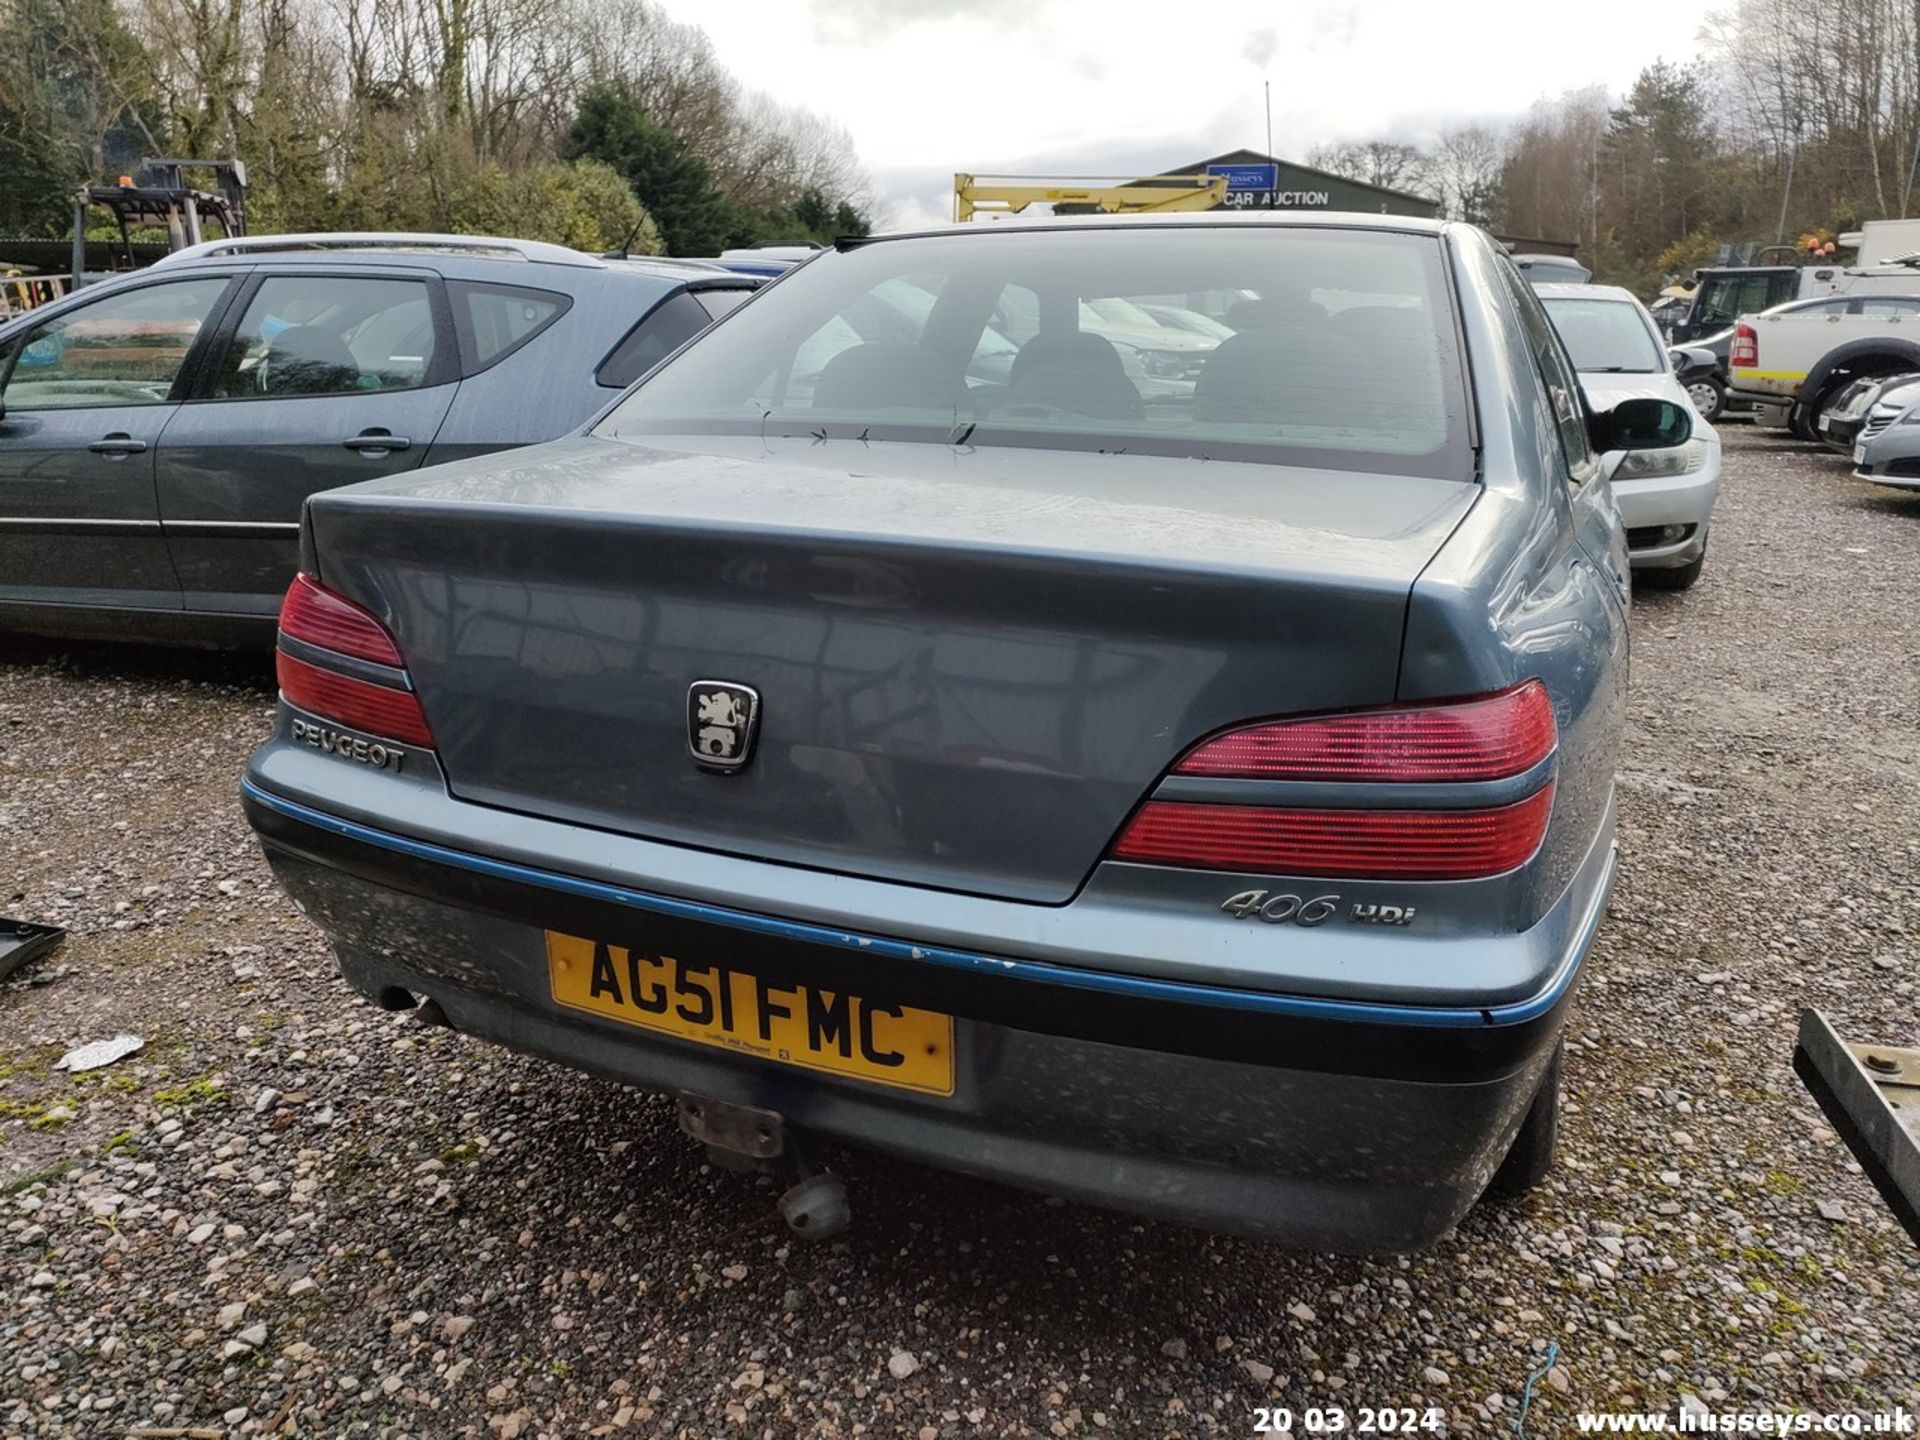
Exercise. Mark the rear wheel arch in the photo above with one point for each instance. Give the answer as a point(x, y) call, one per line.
point(1879, 355)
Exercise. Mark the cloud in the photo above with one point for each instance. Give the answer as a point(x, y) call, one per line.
point(870, 22)
point(1260, 47)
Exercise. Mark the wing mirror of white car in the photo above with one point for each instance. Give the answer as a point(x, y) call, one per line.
point(1640, 424)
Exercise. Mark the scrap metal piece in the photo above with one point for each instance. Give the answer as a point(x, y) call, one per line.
point(22, 940)
point(1871, 1094)
point(100, 1053)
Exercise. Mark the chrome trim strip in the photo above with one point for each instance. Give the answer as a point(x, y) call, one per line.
point(232, 527)
point(51, 522)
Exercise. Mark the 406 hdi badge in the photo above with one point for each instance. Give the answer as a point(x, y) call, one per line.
point(1310, 910)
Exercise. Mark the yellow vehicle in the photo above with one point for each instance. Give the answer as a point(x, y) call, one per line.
point(21, 292)
point(1112, 195)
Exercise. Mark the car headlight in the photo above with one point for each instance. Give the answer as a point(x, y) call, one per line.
point(1168, 364)
point(1678, 460)
point(1912, 417)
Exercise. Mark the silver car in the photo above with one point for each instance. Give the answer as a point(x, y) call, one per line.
point(1199, 803)
point(1888, 450)
point(1666, 496)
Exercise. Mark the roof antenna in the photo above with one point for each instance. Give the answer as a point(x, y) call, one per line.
point(626, 245)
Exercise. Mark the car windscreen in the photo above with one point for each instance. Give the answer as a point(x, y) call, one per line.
point(1326, 347)
point(1605, 335)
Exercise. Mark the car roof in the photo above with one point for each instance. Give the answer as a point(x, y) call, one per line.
point(1563, 291)
point(1281, 219)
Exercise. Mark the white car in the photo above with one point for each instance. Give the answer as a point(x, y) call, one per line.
point(1666, 496)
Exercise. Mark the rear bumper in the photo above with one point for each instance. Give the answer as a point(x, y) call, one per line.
point(1337, 1125)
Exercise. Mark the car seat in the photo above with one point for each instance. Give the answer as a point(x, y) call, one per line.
point(1076, 372)
point(307, 360)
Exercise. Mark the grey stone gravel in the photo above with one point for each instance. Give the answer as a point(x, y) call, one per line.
point(402, 1231)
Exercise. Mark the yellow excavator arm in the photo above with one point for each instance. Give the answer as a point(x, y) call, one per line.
point(1010, 194)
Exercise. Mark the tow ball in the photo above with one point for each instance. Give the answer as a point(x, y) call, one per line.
point(740, 1137)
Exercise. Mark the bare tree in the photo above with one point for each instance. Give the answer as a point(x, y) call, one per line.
point(1372, 162)
point(1462, 170)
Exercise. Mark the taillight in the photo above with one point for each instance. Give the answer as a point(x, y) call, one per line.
point(1363, 833)
point(331, 625)
point(1746, 347)
point(1370, 844)
point(1484, 739)
point(318, 616)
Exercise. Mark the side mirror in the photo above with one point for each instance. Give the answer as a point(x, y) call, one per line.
point(1686, 358)
point(1640, 425)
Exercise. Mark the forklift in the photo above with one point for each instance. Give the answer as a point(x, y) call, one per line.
point(163, 199)
point(1079, 195)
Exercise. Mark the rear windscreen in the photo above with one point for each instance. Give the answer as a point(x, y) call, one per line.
point(1285, 344)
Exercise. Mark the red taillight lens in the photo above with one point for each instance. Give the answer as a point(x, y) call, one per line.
point(1484, 739)
point(320, 617)
point(1746, 347)
point(1370, 844)
point(377, 709)
point(329, 622)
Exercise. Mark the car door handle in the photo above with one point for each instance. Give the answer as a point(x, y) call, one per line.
point(118, 445)
point(370, 440)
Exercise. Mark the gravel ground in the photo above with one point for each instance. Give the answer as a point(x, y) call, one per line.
point(291, 1213)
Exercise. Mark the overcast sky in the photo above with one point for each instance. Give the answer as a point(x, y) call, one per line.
point(928, 87)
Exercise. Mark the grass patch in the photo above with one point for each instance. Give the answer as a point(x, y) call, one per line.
point(194, 1092)
point(34, 1066)
point(56, 1171)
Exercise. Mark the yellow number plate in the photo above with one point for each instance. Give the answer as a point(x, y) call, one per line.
point(718, 1005)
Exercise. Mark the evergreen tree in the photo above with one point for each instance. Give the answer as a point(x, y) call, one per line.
point(673, 184)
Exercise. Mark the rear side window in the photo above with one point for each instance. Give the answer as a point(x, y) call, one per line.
point(721, 302)
point(495, 320)
point(1318, 346)
point(667, 327)
point(1889, 305)
point(330, 335)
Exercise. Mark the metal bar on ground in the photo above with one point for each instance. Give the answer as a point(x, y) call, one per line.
point(1871, 1093)
point(23, 940)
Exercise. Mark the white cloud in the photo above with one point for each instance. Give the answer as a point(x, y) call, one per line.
point(930, 87)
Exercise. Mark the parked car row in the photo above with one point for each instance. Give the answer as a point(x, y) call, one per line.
point(159, 434)
point(1876, 422)
point(1829, 352)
